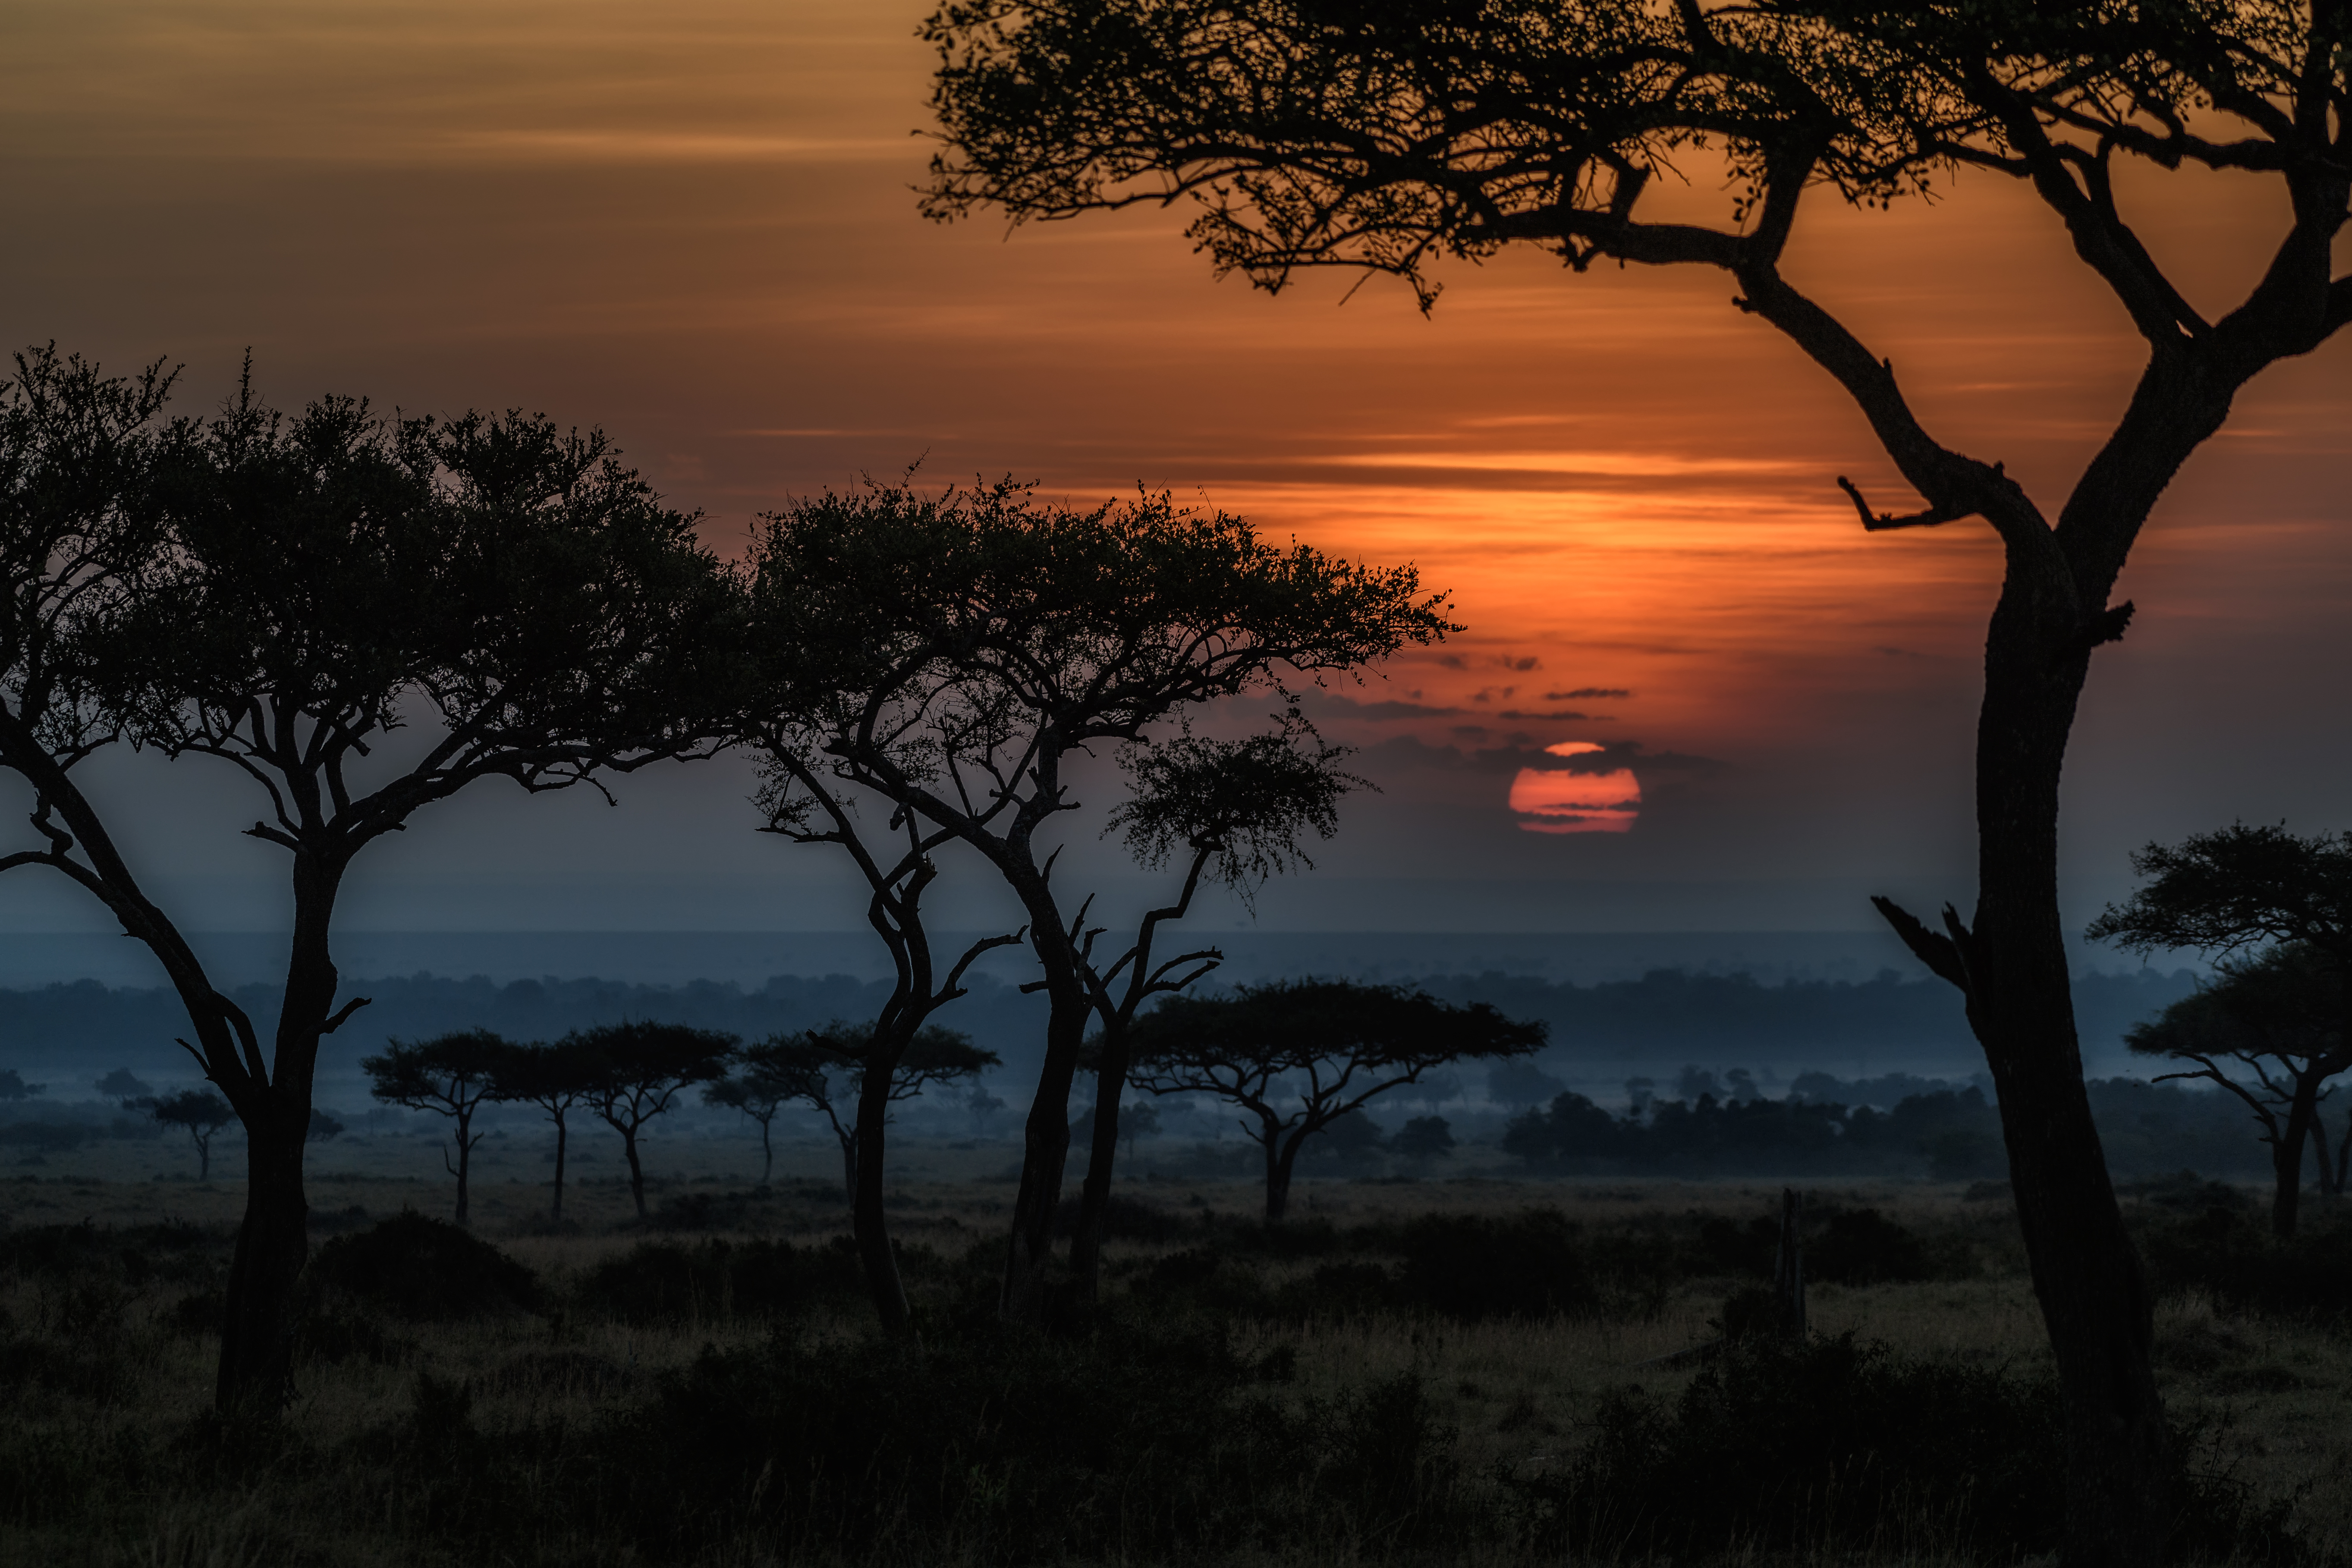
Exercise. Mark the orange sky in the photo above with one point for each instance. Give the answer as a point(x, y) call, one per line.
point(691, 224)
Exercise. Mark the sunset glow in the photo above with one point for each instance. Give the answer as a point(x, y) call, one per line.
point(694, 226)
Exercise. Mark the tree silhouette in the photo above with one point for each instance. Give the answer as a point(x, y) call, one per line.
point(198, 1112)
point(636, 1072)
point(450, 1075)
point(555, 1077)
point(952, 651)
point(826, 1069)
point(1297, 1056)
point(1390, 138)
point(1234, 810)
point(2233, 891)
point(2280, 1018)
point(281, 595)
point(760, 1087)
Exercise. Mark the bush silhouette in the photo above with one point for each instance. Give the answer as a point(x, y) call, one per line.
point(1863, 1246)
point(426, 1270)
point(1472, 1267)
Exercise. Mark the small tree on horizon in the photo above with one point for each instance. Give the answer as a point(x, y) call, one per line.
point(826, 1069)
point(555, 1077)
point(2279, 1018)
point(2237, 891)
point(450, 1075)
point(1297, 1056)
point(198, 1112)
point(636, 1072)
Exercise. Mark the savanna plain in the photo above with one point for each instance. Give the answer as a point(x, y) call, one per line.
point(1461, 1367)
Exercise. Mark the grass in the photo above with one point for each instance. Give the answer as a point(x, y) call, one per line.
point(1247, 1396)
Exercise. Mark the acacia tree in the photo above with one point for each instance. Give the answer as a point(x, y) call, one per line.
point(1297, 1056)
point(798, 708)
point(284, 594)
point(760, 1088)
point(1234, 810)
point(829, 1068)
point(555, 1077)
point(2237, 890)
point(636, 1072)
point(1389, 138)
point(450, 1075)
point(198, 1112)
point(2279, 1017)
point(955, 651)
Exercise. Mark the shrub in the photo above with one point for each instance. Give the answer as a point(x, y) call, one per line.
point(427, 1270)
point(1863, 1246)
point(2231, 1256)
point(658, 1282)
point(1472, 1267)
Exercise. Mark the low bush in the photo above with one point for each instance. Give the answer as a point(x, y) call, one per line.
point(2230, 1256)
point(426, 1270)
point(1831, 1446)
point(1472, 1267)
point(1863, 1246)
point(658, 1281)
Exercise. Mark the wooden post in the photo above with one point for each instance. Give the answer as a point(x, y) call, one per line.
point(1789, 1266)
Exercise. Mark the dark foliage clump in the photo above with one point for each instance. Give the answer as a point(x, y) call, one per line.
point(1471, 1267)
point(1832, 1444)
point(132, 1256)
point(1863, 1246)
point(426, 1270)
point(1127, 1219)
point(658, 1282)
point(2231, 1256)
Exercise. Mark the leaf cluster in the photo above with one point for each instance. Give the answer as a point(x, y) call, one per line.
point(2237, 888)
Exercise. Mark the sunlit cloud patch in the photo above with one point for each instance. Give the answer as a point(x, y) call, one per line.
point(1555, 800)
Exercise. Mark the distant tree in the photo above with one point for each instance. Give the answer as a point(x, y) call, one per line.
point(981, 1106)
point(2270, 1030)
point(555, 1077)
point(200, 1113)
point(1638, 1094)
point(1350, 1139)
point(761, 1086)
point(451, 1074)
point(952, 652)
point(827, 1069)
point(1392, 139)
point(2236, 891)
point(636, 1071)
point(1296, 1056)
point(1425, 1138)
point(1234, 810)
point(123, 1084)
point(280, 593)
point(325, 1125)
point(14, 1087)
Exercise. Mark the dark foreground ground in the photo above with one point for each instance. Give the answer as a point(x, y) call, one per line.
point(1438, 1371)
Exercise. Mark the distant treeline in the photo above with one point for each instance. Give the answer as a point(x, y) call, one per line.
point(1946, 1134)
point(1661, 1021)
point(1719, 1018)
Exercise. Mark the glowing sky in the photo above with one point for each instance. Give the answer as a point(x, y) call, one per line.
point(692, 225)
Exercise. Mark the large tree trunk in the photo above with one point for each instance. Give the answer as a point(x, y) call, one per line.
point(1045, 1146)
point(2087, 1274)
point(2286, 1156)
point(272, 1244)
point(636, 1170)
point(556, 1213)
point(1093, 1199)
point(464, 1160)
point(868, 1223)
point(1281, 1158)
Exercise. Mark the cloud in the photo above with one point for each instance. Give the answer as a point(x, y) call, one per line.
point(1521, 664)
point(1317, 704)
point(1586, 694)
point(1562, 715)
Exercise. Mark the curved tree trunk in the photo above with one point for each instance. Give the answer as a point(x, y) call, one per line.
point(465, 1158)
point(1280, 1159)
point(1094, 1198)
point(868, 1223)
point(1045, 1147)
point(2287, 1155)
point(2087, 1274)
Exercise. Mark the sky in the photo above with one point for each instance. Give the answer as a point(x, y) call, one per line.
point(1692, 694)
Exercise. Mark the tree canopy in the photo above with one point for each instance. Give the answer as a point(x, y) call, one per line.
point(450, 1075)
